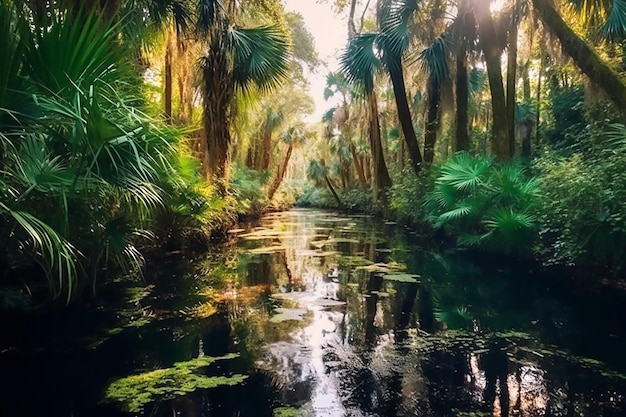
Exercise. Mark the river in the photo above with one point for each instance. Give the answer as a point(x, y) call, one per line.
point(314, 313)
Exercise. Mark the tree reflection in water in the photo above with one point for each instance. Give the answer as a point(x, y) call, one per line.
point(392, 350)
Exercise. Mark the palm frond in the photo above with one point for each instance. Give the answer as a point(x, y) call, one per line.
point(454, 214)
point(615, 137)
point(327, 117)
point(39, 169)
point(208, 12)
point(75, 54)
point(261, 56)
point(55, 254)
point(477, 81)
point(360, 61)
point(469, 239)
point(435, 60)
point(614, 28)
point(464, 172)
point(395, 37)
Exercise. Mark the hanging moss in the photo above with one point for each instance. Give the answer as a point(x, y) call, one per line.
point(135, 391)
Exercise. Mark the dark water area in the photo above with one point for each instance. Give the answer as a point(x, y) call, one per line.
point(311, 313)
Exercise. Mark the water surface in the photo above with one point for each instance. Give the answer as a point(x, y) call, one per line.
point(311, 313)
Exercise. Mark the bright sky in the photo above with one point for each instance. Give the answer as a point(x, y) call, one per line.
point(330, 33)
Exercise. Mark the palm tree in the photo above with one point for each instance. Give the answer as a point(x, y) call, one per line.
point(435, 62)
point(293, 136)
point(464, 35)
point(584, 56)
point(342, 118)
point(236, 60)
point(491, 45)
point(80, 167)
point(318, 172)
point(359, 64)
point(393, 40)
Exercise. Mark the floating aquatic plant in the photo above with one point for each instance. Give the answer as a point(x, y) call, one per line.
point(287, 314)
point(286, 412)
point(402, 277)
point(135, 391)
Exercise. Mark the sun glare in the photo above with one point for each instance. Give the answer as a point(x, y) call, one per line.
point(497, 5)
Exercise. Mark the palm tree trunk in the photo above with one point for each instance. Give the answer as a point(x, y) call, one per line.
point(432, 122)
point(168, 77)
point(357, 165)
point(331, 188)
point(185, 87)
point(381, 174)
point(266, 147)
point(404, 115)
point(511, 78)
point(538, 117)
point(462, 99)
point(492, 51)
point(280, 175)
point(584, 56)
point(217, 91)
point(528, 123)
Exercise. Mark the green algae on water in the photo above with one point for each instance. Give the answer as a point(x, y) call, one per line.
point(135, 391)
point(410, 278)
point(286, 412)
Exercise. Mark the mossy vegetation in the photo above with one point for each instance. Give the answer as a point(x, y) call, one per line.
point(286, 412)
point(134, 392)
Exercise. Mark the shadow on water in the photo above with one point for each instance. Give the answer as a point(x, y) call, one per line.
point(317, 314)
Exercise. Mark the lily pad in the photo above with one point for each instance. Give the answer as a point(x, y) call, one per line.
point(325, 302)
point(287, 314)
point(354, 261)
point(402, 277)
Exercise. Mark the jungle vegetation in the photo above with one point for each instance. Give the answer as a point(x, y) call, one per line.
point(135, 127)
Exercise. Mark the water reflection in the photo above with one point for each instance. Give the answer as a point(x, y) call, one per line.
point(434, 347)
point(335, 315)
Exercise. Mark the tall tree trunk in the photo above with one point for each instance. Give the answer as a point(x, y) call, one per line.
point(492, 51)
point(511, 78)
point(331, 188)
point(528, 122)
point(249, 158)
point(169, 52)
point(381, 174)
point(461, 142)
point(351, 25)
point(357, 165)
point(402, 150)
point(396, 74)
point(185, 87)
point(218, 94)
point(432, 122)
point(462, 98)
point(266, 148)
point(538, 117)
point(280, 175)
point(584, 56)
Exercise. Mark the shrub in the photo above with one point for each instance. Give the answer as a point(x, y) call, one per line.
point(406, 196)
point(584, 201)
point(484, 204)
